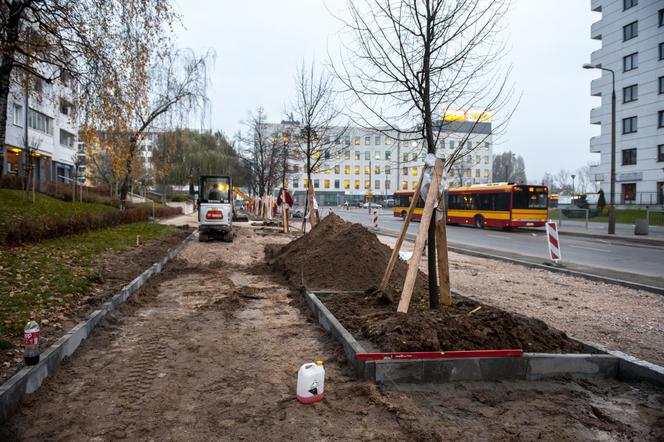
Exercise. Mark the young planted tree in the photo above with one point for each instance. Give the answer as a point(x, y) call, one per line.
point(262, 155)
point(408, 63)
point(317, 134)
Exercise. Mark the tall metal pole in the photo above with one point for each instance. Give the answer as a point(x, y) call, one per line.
point(612, 202)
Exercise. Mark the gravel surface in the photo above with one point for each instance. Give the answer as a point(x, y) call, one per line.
point(620, 318)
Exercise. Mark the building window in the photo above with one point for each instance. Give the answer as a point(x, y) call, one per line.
point(367, 140)
point(367, 184)
point(336, 169)
point(347, 170)
point(405, 157)
point(346, 184)
point(377, 170)
point(316, 184)
point(17, 115)
point(469, 173)
point(661, 51)
point(486, 159)
point(414, 156)
point(629, 3)
point(628, 192)
point(357, 141)
point(388, 170)
point(357, 170)
point(377, 140)
point(367, 155)
point(661, 17)
point(377, 155)
point(326, 184)
point(388, 140)
point(630, 62)
point(629, 157)
point(387, 184)
point(660, 152)
point(367, 170)
point(630, 93)
point(317, 168)
point(388, 154)
point(305, 182)
point(357, 155)
point(347, 140)
point(327, 154)
point(295, 168)
point(414, 172)
point(486, 173)
point(296, 184)
point(347, 155)
point(66, 138)
point(660, 119)
point(327, 171)
point(40, 122)
point(336, 184)
point(405, 171)
point(357, 184)
point(65, 107)
point(414, 184)
point(477, 173)
point(404, 185)
point(631, 31)
point(629, 125)
point(377, 184)
point(661, 84)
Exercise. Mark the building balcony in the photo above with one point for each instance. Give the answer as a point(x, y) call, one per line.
point(596, 5)
point(596, 115)
point(596, 30)
point(596, 56)
point(596, 87)
point(596, 144)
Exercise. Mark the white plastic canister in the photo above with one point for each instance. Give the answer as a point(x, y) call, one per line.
point(310, 382)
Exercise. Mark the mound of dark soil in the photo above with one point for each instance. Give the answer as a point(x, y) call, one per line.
point(342, 256)
point(461, 326)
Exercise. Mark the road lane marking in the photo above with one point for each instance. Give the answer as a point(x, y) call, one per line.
point(497, 236)
point(589, 248)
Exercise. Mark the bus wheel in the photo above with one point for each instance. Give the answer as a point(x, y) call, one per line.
point(479, 221)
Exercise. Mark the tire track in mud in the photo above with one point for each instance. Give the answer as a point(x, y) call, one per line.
point(143, 371)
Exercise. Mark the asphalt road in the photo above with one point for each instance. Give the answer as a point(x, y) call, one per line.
point(612, 255)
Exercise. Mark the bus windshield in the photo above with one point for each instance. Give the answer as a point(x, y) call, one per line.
point(530, 197)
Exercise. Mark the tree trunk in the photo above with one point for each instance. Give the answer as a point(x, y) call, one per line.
point(124, 188)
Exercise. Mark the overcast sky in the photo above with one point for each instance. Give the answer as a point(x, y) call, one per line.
point(258, 44)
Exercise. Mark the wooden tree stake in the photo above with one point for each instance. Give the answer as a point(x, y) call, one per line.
point(284, 210)
point(414, 264)
point(441, 254)
point(402, 235)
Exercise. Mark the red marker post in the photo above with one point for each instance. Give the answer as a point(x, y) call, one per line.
point(554, 242)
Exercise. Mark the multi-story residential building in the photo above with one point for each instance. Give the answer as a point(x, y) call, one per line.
point(50, 121)
point(632, 36)
point(360, 162)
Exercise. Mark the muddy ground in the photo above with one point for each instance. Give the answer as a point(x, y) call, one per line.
point(112, 271)
point(210, 351)
point(620, 318)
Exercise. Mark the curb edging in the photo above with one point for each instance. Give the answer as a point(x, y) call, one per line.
point(29, 379)
point(599, 363)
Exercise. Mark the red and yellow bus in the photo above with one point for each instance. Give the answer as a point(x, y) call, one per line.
point(509, 205)
point(402, 201)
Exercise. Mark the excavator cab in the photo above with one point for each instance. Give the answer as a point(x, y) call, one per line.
point(215, 211)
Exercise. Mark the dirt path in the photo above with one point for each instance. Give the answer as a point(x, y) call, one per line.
point(620, 318)
point(210, 351)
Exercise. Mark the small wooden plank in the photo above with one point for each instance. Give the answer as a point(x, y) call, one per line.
point(284, 210)
point(402, 235)
point(421, 238)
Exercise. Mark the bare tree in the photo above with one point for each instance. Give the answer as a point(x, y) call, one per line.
point(508, 167)
point(317, 136)
point(585, 180)
point(261, 152)
point(563, 181)
point(407, 61)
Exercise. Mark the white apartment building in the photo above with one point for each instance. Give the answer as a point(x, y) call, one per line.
point(362, 162)
point(52, 129)
point(632, 36)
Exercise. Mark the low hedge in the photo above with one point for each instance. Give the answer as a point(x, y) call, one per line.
point(29, 229)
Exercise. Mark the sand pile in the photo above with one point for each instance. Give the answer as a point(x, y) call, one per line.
point(338, 255)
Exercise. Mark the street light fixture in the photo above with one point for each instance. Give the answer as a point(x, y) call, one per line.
point(612, 197)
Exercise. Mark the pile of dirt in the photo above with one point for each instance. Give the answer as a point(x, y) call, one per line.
point(465, 325)
point(339, 255)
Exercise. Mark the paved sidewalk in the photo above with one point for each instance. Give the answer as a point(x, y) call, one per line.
point(600, 230)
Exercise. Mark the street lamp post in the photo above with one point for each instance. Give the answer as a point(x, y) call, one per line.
point(612, 197)
point(573, 187)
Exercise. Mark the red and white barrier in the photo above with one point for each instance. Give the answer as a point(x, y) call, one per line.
point(553, 241)
point(374, 219)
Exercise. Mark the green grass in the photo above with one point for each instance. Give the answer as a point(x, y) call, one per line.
point(13, 208)
point(623, 216)
point(49, 277)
